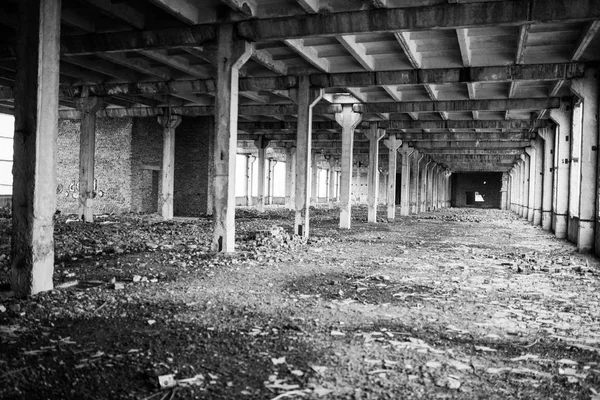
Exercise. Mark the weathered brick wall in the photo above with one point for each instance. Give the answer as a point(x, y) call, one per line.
point(113, 165)
point(474, 182)
point(193, 167)
point(146, 162)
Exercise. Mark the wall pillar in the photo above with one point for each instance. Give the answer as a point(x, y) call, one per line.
point(548, 170)
point(504, 192)
point(374, 135)
point(348, 119)
point(587, 90)
point(525, 184)
point(272, 163)
point(87, 152)
point(169, 123)
point(290, 177)
point(34, 161)
point(562, 118)
point(518, 186)
point(306, 101)
point(509, 193)
point(231, 56)
point(430, 173)
point(393, 144)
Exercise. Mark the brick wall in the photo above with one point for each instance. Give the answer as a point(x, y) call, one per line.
point(146, 161)
point(113, 165)
point(193, 166)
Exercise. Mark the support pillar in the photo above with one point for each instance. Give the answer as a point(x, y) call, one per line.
point(424, 171)
point(414, 181)
point(393, 144)
point(314, 180)
point(562, 118)
point(374, 135)
point(231, 56)
point(405, 152)
point(331, 176)
point(87, 155)
point(290, 177)
point(547, 178)
point(429, 203)
point(531, 175)
point(169, 123)
point(248, 184)
point(261, 145)
point(348, 119)
point(306, 101)
point(525, 183)
point(587, 90)
point(34, 161)
point(271, 182)
point(504, 192)
point(538, 187)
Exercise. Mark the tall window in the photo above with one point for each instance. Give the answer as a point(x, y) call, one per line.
point(7, 123)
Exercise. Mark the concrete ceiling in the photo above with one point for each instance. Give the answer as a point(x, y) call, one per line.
point(433, 72)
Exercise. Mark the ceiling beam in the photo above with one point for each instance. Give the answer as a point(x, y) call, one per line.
point(308, 53)
point(464, 42)
point(522, 43)
point(265, 59)
point(410, 49)
point(177, 62)
point(587, 35)
point(310, 6)
point(292, 109)
point(121, 11)
point(444, 16)
point(466, 145)
point(467, 152)
point(358, 51)
point(334, 80)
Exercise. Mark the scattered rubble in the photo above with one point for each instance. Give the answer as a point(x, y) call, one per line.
point(448, 304)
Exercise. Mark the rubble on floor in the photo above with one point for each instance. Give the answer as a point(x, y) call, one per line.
point(457, 303)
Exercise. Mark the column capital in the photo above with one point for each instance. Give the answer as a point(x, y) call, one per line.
point(261, 142)
point(392, 142)
point(374, 133)
point(347, 111)
point(169, 121)
point(89, 105)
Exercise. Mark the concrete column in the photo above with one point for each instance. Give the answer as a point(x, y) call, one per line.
point(434, 190)
point(270, 180)
point(429, 203)
point(414, 181)
point(587, 90)
point(525, 183)
point(547, 178)
point(261, 144)
point(504, 192)
point(169, 123)
point(517, 186)
point(531, 175)
point(405, 152)
point(562, 118)
point(314, 180)
point(423, 184)
point(348, 119)
point(34, 161)
point(331, 181)
point(374, 135)
point(87, 151)
point(538, 145)
point(509, 192)
point(393, 144)
point(306, 101)
point(231, 56)
point(248, 185)
point(290, 177)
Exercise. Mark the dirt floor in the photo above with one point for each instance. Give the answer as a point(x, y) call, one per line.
point(459, 303)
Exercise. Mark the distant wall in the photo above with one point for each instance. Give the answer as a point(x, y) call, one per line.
point(112, 171)
point(128, 165)
point(487, 184)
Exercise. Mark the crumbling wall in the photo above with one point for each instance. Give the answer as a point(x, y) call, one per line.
point(113, 165)
point(487, 184)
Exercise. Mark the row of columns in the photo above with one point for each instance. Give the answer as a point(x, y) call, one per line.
point(36, 129)
point(554, 184)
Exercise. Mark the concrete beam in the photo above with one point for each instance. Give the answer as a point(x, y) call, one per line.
point(181, 9)
point(471, 145)
point(448, 16)
point(505, 73)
